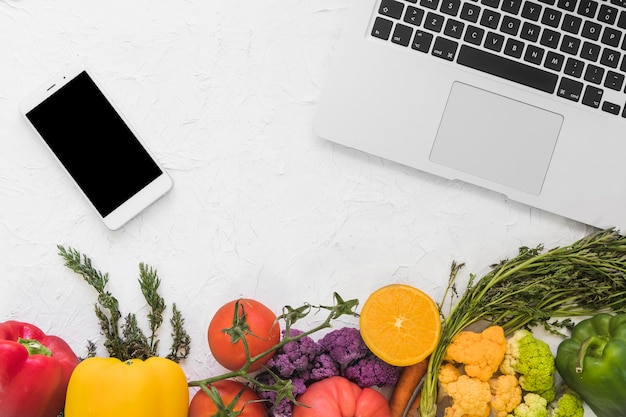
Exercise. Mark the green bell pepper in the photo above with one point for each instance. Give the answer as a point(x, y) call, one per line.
point(592, 362)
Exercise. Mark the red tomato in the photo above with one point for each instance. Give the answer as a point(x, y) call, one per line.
point(338, 397)
point(249, 404)
point(263, 333)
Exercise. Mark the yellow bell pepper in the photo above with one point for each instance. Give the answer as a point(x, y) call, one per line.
point(108, 387)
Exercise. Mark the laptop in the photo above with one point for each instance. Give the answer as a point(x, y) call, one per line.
point(523, 97)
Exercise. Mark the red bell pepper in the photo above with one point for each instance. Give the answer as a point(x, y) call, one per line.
point(34, 371)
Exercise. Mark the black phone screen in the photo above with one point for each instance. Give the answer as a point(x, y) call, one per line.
point(94, 144)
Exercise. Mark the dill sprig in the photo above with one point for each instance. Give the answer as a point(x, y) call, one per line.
point(535, 288)
point(127, 340)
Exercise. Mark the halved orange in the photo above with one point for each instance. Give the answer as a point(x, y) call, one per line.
point(400, 324)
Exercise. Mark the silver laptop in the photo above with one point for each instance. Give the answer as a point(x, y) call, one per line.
point(524, 97)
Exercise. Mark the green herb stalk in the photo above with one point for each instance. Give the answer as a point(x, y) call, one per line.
point(536, 287)
point(127, 340)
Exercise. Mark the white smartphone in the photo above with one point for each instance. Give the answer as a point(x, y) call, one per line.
point(96, 146)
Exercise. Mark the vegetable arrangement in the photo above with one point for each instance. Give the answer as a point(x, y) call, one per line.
point(536, 287)
point(275, 369)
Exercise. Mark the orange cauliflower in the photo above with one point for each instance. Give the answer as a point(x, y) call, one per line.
point(506, 395)
point(470, 396)
point(481, 353)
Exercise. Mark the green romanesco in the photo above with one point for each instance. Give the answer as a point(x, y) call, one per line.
point(569, 404)
point(532, 361)
point(534, 405)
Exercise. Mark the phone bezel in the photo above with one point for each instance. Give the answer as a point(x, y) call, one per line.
point(135, 204)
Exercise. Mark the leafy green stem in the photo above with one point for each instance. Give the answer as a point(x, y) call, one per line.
point(128, 341)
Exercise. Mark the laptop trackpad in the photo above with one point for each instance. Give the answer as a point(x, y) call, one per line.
point(496, 138)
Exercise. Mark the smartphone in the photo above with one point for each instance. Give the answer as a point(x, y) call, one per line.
point(96, 146)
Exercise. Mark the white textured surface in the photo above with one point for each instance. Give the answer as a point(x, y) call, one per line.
point(224, 94)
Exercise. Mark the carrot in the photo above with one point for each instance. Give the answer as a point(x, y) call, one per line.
point(401, 399)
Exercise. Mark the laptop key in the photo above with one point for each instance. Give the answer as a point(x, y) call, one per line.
point(514, 48)
point(569, 5)
point(550, 38)
point(530, 32)
point(434, 22)
point(402, 35)
point(382, 28)
point(614, 80)
point(590, 51)
point(450, 7)
point(534, 54)
point(414, 15)
point(570, 45)
point(490, 19)
point(554, 61)
point(574, 67)
point(587, 8)
point(474, 35)
point(611, 108)
point(531, 11)
point(592, 96)
point(454, 28)
point(430, 4)
point(570, 89)
point(491, 3)
point(591, 30)
point(571, 23)
point(494, 41)
point(391, 8)
point(421, 41)
point(551, 17)
point(610, 58)
point(445, 48)
point(611, 37)
point(594, 74)
point(508, 69)
point(470, 12)
point(510, 25)
point(621, 22)
point(511, 6)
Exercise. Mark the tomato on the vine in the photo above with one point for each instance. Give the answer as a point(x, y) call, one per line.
point(259, 325)
point(247, 405)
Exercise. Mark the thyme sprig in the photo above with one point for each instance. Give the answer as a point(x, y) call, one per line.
point(127, 340)
point(289, 316)
point(535, 288)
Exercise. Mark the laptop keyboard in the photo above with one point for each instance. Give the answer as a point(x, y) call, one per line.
point(574, 49)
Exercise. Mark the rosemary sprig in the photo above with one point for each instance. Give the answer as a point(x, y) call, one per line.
point(536, 287)
point(149, 283)
point(128, 341)
point(181, 342)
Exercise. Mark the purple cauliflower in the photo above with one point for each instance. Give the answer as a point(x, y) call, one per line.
point(295, 358)
point(324, 367)
point(304, 361)
point(370, 370)
point(344, 345)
